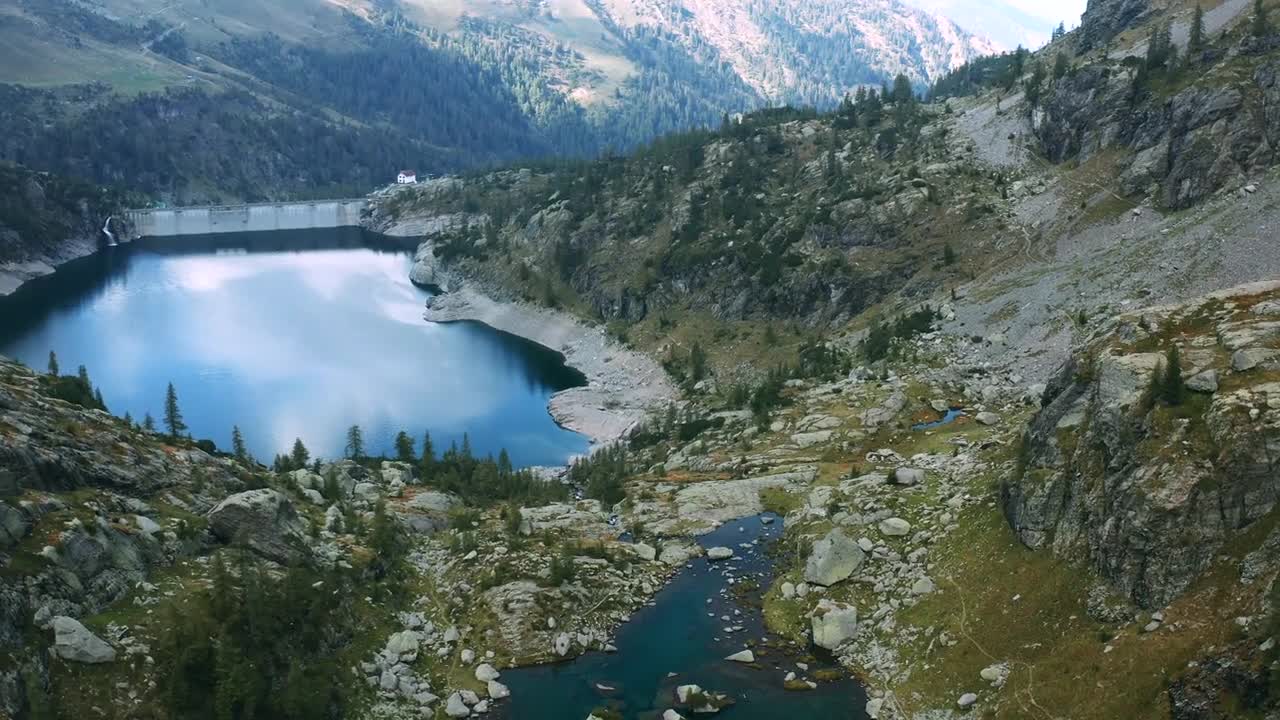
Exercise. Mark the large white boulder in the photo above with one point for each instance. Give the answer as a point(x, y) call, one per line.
point(833, 624)
point(895, 527)
point(264, 521)
point(719, 553)
point(73, 641)
point(833, 559)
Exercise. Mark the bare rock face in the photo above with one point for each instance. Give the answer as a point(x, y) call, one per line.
point(1104, 19)
point(13, 526)
point(1206, 137)
point(1149, 492)
point(265, 521)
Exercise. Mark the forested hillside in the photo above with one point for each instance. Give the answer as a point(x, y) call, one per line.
point(190, 103)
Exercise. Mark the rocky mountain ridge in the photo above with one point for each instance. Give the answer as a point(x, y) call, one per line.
point(761, 42)
point(990, 502)
point(364, 80)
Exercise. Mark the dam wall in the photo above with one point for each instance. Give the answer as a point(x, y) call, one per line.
point(262, 217)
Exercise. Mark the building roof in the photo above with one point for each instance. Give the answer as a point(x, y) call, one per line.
point(408, 172)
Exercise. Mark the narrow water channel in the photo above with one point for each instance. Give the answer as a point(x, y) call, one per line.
point(288, 335)
point(682, 638)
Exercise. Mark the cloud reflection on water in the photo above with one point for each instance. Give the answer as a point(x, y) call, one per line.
point(303, 344)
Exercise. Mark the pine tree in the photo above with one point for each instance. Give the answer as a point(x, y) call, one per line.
point(386, 542)
point(1155, 388)
point(948, 255)
point(332, 492)
point(53, 364)
point(697, 362)
point(237, 444)
point(404, 447)
point(128, 419)
point(1059, 32)
point(148, 423)
point(902, 93)
point(355, 442)
point(427, 463)
point(1195, 43)
point(1173, 388)
point(1060, 66)
point(1034, 84)
point(172, 415)
point(1261, 26)
point(1019, 63)
point(1160, 46)
point(300, 455)
point(83, 373)
point(512, 519)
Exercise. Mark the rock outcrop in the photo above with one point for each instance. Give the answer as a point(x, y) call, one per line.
point(833, 559)
point(1202, 139)
point(833, 624)
point(1104, 19)
point(265, 521)
point(1149, 492)
point(73, 641)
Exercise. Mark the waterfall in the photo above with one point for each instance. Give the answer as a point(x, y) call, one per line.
point(106, 229)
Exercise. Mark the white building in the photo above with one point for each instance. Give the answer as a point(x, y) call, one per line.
point(407, 177)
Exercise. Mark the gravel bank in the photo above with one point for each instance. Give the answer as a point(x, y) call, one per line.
point(624, 386)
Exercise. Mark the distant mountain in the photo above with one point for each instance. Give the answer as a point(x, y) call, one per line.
point(320, 94)
point(1008, 23)
point(784, 50)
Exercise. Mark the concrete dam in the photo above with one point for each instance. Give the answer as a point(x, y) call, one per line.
point(261, 217)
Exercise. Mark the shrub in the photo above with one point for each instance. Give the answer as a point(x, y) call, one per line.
point(563, 569)
point(463, 518)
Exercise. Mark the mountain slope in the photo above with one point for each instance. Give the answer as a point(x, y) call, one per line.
point(1047, 228)
point(1008, 23)
point(441, 86)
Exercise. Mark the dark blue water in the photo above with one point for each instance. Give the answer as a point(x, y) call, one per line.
point(947, 419)
point(288, 335)
point(682, 633)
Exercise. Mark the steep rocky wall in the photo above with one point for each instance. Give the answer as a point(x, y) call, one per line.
point(47, 220)
point(1104, 19)
point(1216, 131)
point(1146, 492)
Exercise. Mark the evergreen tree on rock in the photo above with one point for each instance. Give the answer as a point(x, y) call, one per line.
point(355, 442)
point(172, 415)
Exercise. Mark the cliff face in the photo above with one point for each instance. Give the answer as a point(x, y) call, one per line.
point(46, 220)
point(1149, 491)
point(1184, 140)
point(1104, 19)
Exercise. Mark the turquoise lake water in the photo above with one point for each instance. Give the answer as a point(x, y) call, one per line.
point(291, 334)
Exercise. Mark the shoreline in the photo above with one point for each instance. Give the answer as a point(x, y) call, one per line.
point(15, 275)
point(624, 387)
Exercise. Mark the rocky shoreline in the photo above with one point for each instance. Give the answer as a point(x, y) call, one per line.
point(14, 275)
point(624, 387)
